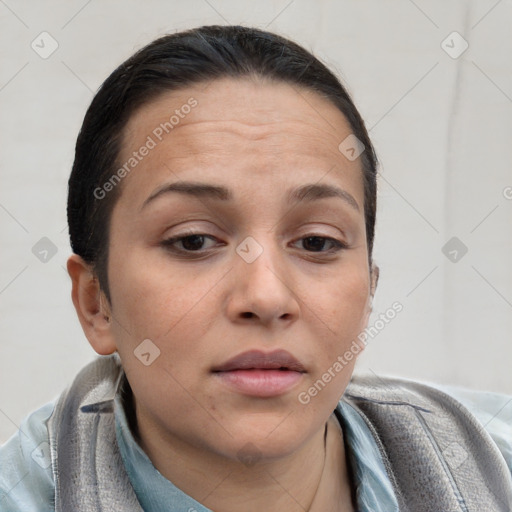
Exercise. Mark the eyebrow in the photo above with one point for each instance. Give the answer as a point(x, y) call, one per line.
point(309, 192)
point(315, 191)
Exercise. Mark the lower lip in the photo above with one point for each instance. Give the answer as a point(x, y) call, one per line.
point(260, 383)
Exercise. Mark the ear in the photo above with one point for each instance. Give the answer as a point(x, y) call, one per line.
point(92, 307)
point(374, 279)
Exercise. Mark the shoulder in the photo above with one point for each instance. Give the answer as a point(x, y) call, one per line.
point(26, 479)
point(491, 411)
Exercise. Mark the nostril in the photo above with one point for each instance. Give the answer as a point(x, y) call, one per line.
point(247, 314)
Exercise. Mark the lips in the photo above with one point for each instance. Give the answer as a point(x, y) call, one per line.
point(257, 360)
point(259, 374)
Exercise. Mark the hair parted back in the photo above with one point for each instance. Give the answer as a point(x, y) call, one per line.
point(174, 62)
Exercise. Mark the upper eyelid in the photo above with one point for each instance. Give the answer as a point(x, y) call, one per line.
point(180, 236)
point(207, 235)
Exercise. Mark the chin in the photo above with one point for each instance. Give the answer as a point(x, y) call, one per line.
point(271, 437)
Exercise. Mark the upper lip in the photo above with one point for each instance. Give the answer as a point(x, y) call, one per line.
point(256, 359)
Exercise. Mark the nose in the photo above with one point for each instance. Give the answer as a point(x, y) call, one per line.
point(263, 290)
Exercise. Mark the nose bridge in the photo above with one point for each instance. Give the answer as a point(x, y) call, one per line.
point(262, 286)
point(259, 257)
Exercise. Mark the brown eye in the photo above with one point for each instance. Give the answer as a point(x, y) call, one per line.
point(318, 244)
point(193, 242)
point(314, 243)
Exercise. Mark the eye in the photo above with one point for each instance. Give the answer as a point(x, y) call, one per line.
point(195, 243)
point(191, 242)
point(316, 243)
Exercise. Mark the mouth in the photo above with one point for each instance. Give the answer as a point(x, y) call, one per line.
point(260, 374)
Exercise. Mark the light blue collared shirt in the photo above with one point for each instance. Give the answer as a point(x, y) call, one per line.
point(27, 485)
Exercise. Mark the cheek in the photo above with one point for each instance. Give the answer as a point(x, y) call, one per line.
point(172, 308)
point(346, 303)
point(342, 313)
point(163, 307)
point(150, 298)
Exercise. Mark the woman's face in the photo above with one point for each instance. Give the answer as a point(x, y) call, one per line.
point(265, 268)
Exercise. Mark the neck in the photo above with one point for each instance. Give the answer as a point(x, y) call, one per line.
point(314, 478)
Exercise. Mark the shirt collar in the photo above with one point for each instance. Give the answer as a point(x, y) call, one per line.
point(373, 488)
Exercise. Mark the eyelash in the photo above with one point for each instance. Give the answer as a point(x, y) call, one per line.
point(337, 245)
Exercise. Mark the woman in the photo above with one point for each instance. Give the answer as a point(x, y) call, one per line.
point(221, 213)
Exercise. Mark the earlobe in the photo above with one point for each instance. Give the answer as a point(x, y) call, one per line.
point(374, 277)
point(91, 305)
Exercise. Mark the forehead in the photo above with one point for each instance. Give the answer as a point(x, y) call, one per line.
point(236, 129)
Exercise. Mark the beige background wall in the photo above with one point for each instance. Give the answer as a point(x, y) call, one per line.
point(441, 123)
